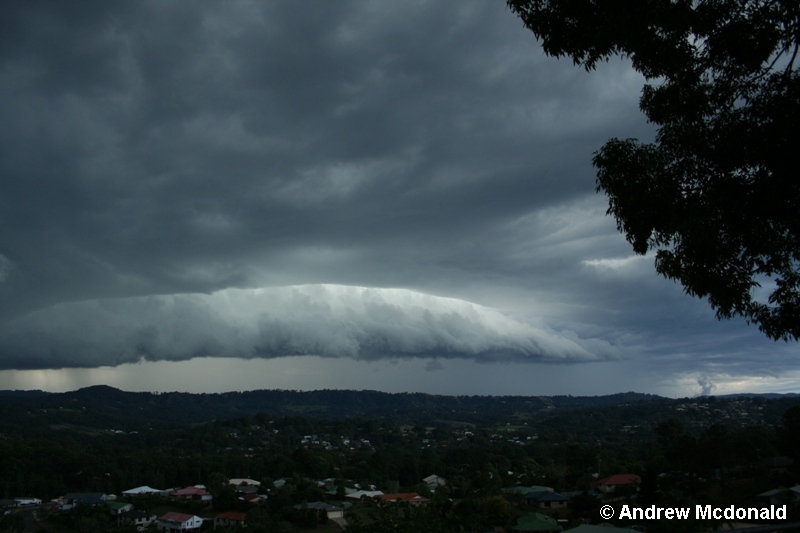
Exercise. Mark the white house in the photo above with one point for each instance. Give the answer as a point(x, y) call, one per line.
point(244, 481)
point(178, 522)
point(434, 481)
point(135, 518)
point(28, 501)
point(364, 494)
point(197, 492)
point(143, 490)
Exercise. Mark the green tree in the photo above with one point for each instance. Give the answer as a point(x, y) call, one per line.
point(12, 523)
point(584, 507)
point(788, 433)
point(716, 194)
point(396, 517)
point(715, 449)
point(225, 499)
point(496, 511)
point(678, 444)
point(753, 443)
point(216, 482)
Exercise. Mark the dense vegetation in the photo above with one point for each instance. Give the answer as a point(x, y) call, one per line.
point(714, 196)
point(704, 450)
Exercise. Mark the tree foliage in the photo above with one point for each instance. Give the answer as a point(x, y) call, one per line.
point(716, 195)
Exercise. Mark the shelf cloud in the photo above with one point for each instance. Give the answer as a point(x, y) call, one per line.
point(324, 320)
point(161, 161)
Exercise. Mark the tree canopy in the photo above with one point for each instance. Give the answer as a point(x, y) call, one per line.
point(716, 195)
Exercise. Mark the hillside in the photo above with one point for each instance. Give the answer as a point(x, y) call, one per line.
point(104, 406)
point(101, 408)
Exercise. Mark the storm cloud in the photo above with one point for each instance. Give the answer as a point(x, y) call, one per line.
point(323, 320)
point(193, 181)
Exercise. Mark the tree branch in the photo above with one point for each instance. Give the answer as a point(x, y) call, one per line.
point(790, 66)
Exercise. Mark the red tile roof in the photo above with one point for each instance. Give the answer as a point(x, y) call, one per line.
point(176, 517)
point(405, 496)
point(189, 491)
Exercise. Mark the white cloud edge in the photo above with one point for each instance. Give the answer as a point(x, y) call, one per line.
point(327, 320)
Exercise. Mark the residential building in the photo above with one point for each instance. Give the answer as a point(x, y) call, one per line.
point(191, 493)
point(138, 491)
point(410, 497)
point(331, 511)
point(135, 518)
point(434, 481)
point(230, 519)
point(615, 482)
point(545, 499)
point(176, 522)
point(71, 499)
point(118, 508)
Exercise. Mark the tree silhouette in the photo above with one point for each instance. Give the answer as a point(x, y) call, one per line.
point(716, 195)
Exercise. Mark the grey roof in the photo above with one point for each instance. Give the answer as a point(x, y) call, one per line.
point(319, 506)
point(526, 490)
point(142, 490)
point(545, 496)
point(86, 497)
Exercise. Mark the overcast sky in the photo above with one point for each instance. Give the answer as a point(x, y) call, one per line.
point(377, 195)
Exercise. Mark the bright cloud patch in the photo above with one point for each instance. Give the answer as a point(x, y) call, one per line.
point(325, 320)
point(616, 264)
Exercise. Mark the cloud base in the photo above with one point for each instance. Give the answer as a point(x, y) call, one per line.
point(325, 320)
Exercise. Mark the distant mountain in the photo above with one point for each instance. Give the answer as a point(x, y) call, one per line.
point(94, 410)
point(23, 393)
point(103, 406)
point(768, 395)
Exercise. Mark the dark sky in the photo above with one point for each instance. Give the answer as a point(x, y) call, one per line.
point(395, 196)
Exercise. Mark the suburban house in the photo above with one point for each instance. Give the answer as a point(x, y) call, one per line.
point(331, 511)
point(118, 508)
point(244, 481)
point(337, 490)
point(781, 496)
point(191, 493)
point(246, 489)
point(545, 499)
point(178, 522)
point(25, 501)
point(230, 519)
point(71, 499)
point(135, 518)
point(138, 491)
point(617, 481)
point(357, 495)
point(253, 498)
point(410, 497)
point(527, 490)
point(434, 481)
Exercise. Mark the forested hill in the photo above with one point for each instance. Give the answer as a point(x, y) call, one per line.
point(111, 407)
point(103, 408)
